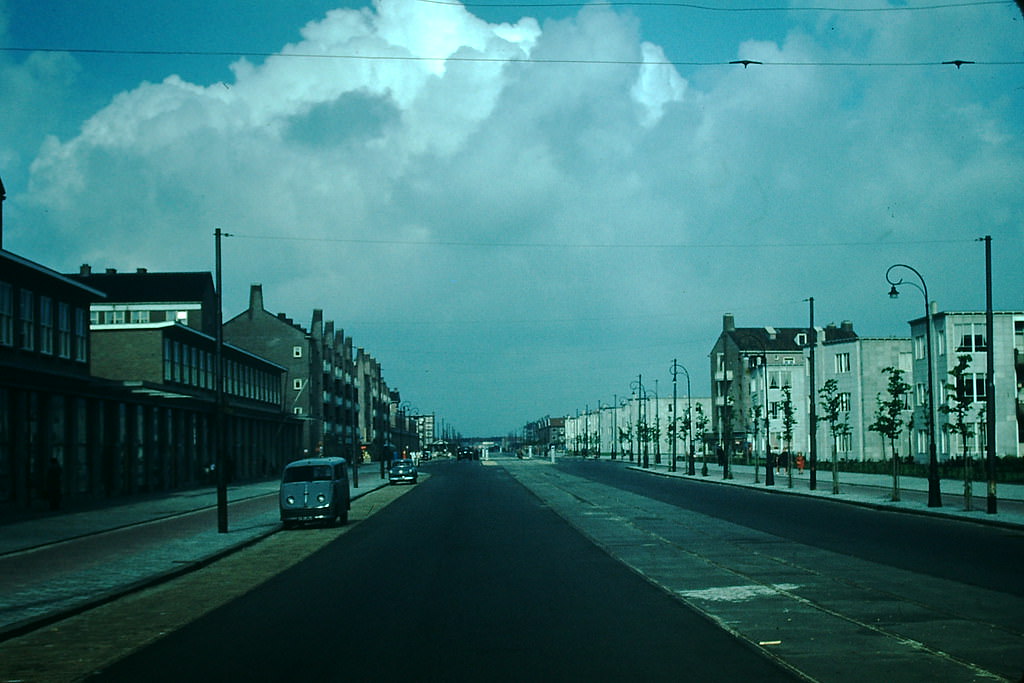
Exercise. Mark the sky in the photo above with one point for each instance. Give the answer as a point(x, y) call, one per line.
point(520, 209)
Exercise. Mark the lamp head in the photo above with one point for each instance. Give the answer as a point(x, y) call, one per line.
point(894, 293)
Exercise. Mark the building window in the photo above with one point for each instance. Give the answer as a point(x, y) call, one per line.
point(922, 394)
point(176, 362)
point(46, 325)
point(297, 384)
point(920, 347)
point(971, 338)
point(971, 386)
point(81, 336)
point(114, 318)
point(139, 317)
point(26, 315)
point(6, 314)
point(64, 330)
point(296, 352)
point(842, 362)
point(844, 443)
point(844, 401)
point(168, 362)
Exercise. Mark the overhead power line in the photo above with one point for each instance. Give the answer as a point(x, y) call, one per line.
point(457, 58)
point(710, 8)
point(598, 245)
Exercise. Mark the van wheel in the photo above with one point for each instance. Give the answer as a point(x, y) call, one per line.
point(343, 518)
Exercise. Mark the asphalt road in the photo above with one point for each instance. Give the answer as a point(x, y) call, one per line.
point(984, 556)
point(466, 577)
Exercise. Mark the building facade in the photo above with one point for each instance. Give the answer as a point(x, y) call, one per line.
point(318, 386)
point(858, 367)
point(956, 334)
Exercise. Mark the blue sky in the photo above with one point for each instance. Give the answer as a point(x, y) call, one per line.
point(519, 208)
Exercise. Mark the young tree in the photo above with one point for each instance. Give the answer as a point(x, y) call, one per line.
point(755, 417)
point(889, 420)
point(831, 406)
point(959, 403)
point(626, 439)
point(788, 422)
point(700, 430)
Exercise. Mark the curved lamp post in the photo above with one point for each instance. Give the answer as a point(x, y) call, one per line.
point(641, 424)
point(690, 467)
point(769, 472)
point(934, 492)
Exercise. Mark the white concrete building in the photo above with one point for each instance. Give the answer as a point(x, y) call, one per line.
point(964, 333)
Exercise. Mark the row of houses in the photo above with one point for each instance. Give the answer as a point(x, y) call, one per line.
point(756, 373)
point(108, 386)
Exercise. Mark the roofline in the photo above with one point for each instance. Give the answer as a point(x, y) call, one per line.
point(51, 273)
point(128, 327)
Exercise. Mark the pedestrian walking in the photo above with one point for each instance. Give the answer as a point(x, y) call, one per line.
point(800, 462)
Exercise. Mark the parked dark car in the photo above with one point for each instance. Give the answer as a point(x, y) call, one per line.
point(403, 471)
point(315, 490)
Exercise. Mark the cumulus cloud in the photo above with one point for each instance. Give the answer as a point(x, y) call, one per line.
point(467, 183)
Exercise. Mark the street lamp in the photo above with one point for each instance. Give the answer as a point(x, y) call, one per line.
point(624, 403)
point(769, 472)
point(934, 492)
point(690, 467)
point(641, 424)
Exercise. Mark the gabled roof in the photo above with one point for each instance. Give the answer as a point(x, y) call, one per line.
point(149, 287)
point(770, 338)
point(787, 338)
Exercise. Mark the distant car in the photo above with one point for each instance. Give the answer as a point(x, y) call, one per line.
point(315, 490)
point(403, 471)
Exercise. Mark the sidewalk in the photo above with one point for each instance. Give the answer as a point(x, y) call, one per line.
point(105, 552)
point(872, 490)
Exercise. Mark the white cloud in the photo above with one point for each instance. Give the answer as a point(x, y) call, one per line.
point(532, 149)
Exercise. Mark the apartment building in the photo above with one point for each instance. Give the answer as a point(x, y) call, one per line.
point(957, 333)
point(48, 402)
point(318, 386)
point(374, 409)
point(142, 297)
point(744, 360)
point(857, 365)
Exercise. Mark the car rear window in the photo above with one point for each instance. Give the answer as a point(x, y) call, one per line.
point(308, 473)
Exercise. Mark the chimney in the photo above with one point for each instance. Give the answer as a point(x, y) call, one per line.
point(728, 323)
point(317, 326)
point(111, 271)
point(847, 327)
point(85, 269)
point(255, 299)
point(141, 271)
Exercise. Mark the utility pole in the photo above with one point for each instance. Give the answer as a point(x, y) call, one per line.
point(990, 383)
point(220, 463)
point(812, 337)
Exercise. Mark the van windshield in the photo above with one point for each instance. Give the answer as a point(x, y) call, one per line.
point(308, 473)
